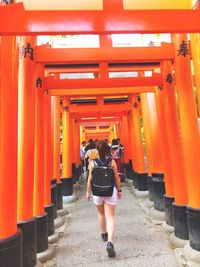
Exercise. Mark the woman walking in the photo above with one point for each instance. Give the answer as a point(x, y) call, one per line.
point(105, 204)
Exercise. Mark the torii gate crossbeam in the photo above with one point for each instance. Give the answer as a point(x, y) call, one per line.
point(106, 21)
point(51, 83)
point(48, 55)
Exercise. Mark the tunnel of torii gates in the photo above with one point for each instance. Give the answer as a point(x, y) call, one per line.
point(33, 100)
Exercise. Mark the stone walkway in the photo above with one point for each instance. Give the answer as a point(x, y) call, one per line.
point(138, 241)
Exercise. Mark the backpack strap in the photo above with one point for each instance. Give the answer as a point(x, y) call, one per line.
point(97, 162)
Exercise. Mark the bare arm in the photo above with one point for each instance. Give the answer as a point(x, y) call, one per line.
point(89, 181)
point(117, 178)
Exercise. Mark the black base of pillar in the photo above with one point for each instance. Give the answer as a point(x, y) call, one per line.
point(29, 242)
point(53, 181)
point(74, 175)
point(149, 186)
point(78, 172)
point(128, 169)
point(11, 251)
point(141, 180)
point(67, 186)
point(193, 217)
point(50, 212)
point(135, 179)
point(180, 221)
point(42, 233)
point(59, 196)
point(158, 191)
point(168, 210)
point(131, 164)
point(131, 174)
point(54, 198)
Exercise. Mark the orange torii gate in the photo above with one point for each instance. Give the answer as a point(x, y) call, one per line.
point(106, 21)
point(94, 68)
point(45, 54)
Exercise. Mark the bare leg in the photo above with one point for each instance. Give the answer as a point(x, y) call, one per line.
point(110, 221)
point(101, 218)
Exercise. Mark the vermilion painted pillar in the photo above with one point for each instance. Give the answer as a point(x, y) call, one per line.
point(78, 144)
point(160, 106)
point(114, 130)
point(158, 186)
point(38, 205)
point(137, 136)
point(175, 150)
point(82, 133)
point(148, 141)
point(195, 43)
point(147, 131)
point(51, 167)
point(73, 153)
point(10, 236)
point(66, 170)
point(141, 178)
point(189, 133)
point(125, 139)
point(26, 131)
point(132, 141)
point(56, 149)
point(155, 135)
point(56, 137)
point(49, 207)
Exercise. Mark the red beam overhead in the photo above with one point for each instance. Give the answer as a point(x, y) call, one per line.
point(96, 69)
point(51, 83)
point(95, 114)
point(94, 55)
point(14, 20)
point(98, 120)
point(100, 108)
point(101, 91)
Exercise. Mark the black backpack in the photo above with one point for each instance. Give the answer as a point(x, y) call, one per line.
point(103, 178)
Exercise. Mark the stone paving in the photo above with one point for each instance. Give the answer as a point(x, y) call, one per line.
point(138, 241)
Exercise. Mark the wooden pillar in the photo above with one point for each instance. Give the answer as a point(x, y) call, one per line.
point(139, 150)
point(10, 236)
point(147, 131)
point(132, 141)
point(56, 137)
point(125, 139)
point(160, 107)
point(82, 133)
point(72, 141)
point(118, 129)
point(189, 136)
point(26, 131)
point(47, 148)
point(66, 171)
point(195, 48)
point(78, 143)
point(174, 138)
point(188, 118)
point(114, 130)
point(67, 146)
point(38, 207)
point(155, 135)
point(38, 204)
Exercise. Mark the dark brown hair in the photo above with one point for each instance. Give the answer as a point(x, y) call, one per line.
point(103, 149)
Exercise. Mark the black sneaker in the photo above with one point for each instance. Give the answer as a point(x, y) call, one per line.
point(110, 250)
point(104, 237)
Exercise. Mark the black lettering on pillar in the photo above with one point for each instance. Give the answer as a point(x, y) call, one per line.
point(38, 82)
point(26, 50)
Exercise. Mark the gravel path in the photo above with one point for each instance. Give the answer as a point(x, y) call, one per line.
point(138, 242)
